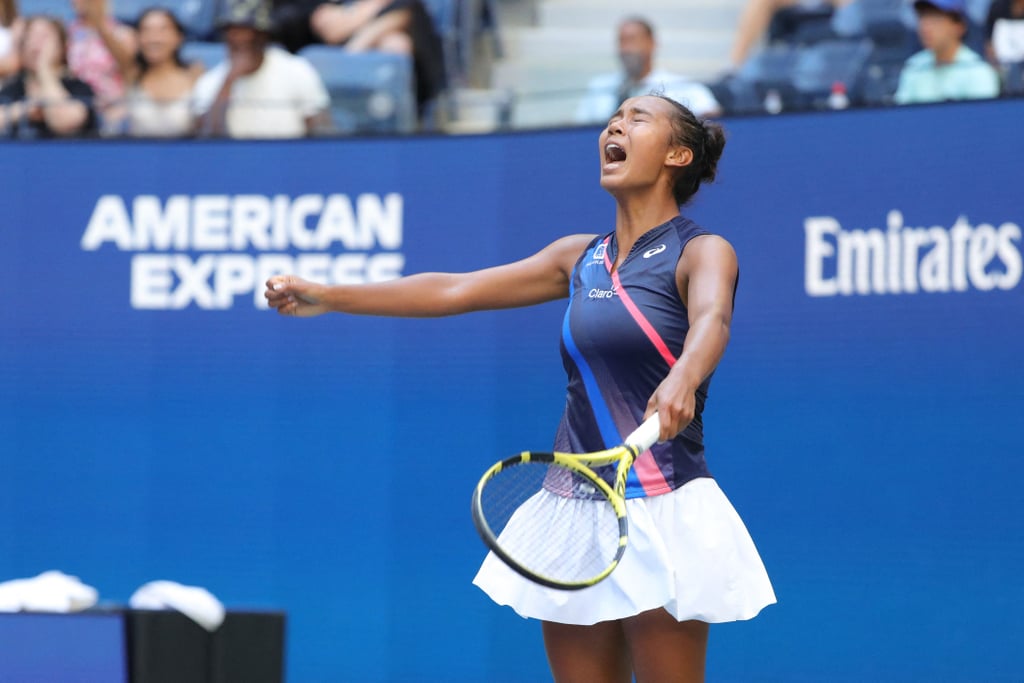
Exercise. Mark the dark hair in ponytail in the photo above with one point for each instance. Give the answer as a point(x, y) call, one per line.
point(705, 139)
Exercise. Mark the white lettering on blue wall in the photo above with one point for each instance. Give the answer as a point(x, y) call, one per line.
point(908, 260)
point(199, 250)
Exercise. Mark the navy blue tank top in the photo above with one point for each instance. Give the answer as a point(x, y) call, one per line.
point(621, 334)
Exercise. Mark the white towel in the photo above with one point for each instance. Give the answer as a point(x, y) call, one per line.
point(196, 603)
point(51, 591)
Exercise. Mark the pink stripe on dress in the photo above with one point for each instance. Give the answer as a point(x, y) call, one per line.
point(650, 476)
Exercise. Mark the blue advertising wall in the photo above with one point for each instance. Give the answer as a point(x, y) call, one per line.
point(156, 423)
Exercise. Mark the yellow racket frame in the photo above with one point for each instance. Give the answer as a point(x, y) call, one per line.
point(579, 463)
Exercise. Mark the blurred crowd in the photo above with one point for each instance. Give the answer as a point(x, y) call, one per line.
point(831, 53)
point(96, 75)
point(89, 73)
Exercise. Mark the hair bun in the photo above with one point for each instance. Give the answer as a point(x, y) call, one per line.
point(714, 143)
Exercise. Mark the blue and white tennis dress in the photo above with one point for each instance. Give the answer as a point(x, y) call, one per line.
point(688, 551)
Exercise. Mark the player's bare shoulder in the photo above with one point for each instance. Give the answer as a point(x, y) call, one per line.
point(705, 251)
point(567, 250)
point(707, 260)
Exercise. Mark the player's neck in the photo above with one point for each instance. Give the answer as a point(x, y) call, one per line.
point(635, 216)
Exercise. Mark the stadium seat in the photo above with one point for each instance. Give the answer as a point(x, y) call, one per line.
point(737, 96)
point(460, 24)
point(772, 65)
point(61, 9)
point(801, 25)
point(371, 92)
point(207, 54)
point(884, 21)
point(770, 69)
point(820, 66)
point(197, 16)
point(880, 75)
point(445, 14)
point(1013, 79)
point(975, 37)
point(977, 10)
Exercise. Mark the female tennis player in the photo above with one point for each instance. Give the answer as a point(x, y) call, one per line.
point(650, 305)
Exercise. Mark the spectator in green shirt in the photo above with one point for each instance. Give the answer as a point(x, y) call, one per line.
point(946, 69)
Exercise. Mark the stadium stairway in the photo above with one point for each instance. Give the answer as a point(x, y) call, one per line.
point(550, 49)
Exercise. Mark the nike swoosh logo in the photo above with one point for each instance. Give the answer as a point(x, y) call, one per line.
point(656, 250)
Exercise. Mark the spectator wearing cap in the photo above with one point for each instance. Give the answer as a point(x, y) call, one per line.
point(946, 69)
point(261, 91)
point(636, 48)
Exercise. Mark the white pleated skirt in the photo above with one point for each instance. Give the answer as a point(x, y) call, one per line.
point(688, 552)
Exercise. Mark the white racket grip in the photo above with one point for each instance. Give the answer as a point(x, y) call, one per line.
point(646, 435)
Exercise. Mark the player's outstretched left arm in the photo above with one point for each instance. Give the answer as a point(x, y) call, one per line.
point(706, 276)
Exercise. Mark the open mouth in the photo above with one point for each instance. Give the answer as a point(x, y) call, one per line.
point(613, 153)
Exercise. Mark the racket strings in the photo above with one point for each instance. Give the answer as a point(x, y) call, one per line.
point(551, 521)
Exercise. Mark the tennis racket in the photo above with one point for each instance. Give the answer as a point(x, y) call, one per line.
point(559, 519)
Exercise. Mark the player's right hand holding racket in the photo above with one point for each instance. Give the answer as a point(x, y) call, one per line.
point(552, 518)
